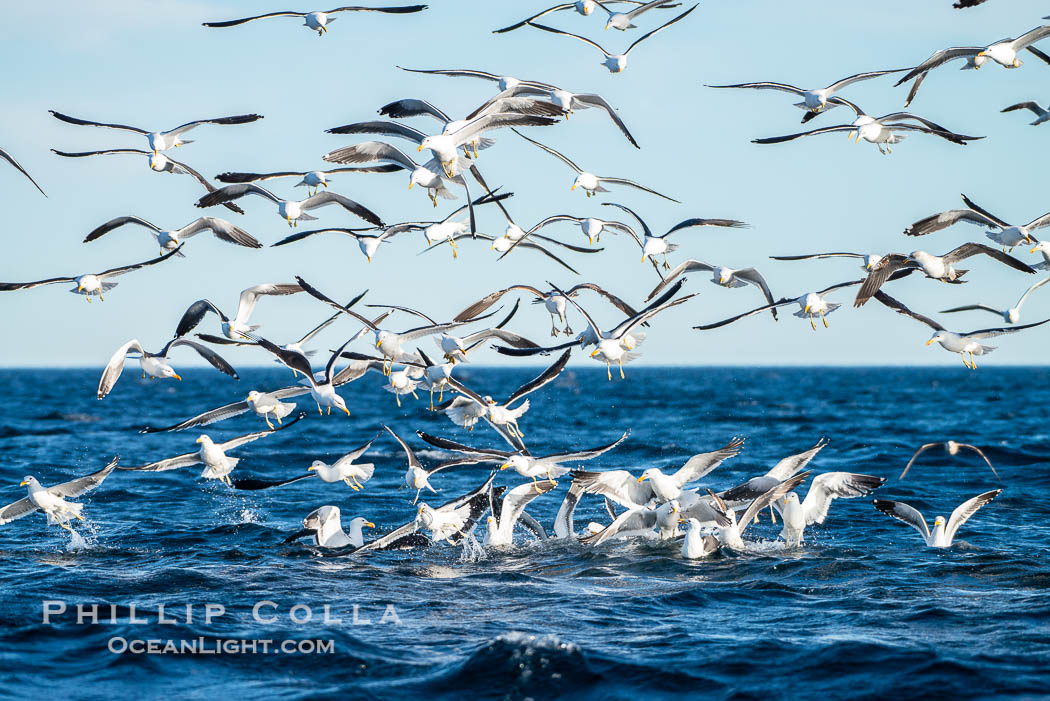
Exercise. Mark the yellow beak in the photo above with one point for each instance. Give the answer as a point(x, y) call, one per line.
point(594, 353)
point(23, 483)
point(1034, 249)
point(573, 187)
point(177, 377)
point(929, 342)
point(420, 147)
point(641, 479)
point(197, 441)
point(370, 524)
point(311, 468)
point(504, 466)
point(410, 183)
point(377, 343)
point(346, 410)
point(807, 309)
point(369, 260)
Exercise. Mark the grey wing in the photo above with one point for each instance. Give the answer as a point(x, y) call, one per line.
point(224, 195)
point(235, 22)
point(1031, 36)
point(388, 539)
point(798, 135)
point(901, 309)
point(880, 272)
point(80, 485)
point(20, 508)
point(981, 453)
point(412, 460)
point(588, 454)
point(972, 308)
point(621, 305)
point(113, 272)
point(637, 186)
point(544, 378)
point(764, 85)
point(595, 100)
point(918, 452)
point(966, 510)
point(752, 276)
point(585, 40)
point(413, 107)
point(703, 463)
point(118, 222)
point(355, 453)
point(943, 220)
point(213, 358)
point(528, 20)
point(645, 227)
point(619, 485)
point(939, 58)
point(86, 123)
point(903, 512)
point(662, 27)
point(857, 77)
point(515, 501)
point(401, 131)
point(236, 119)
point(630, 520)
point(325, 198)
point(738, 317)
point(972, 249)
point(1029, 105)
point(369, 151)
point(184, 460)
point(548, 149)
point(218, 414)
point(223, 230)
point(775, 494)
point(237, 178)
point(115, 367)
point(793, 463)
point(241, 440)
point(992, 333)
point(819, 255)
point(680, 269)
point(18, 166)
point(835, 485)
point(696, 221)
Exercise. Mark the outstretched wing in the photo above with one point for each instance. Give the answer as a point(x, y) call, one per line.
point(903, 512)
point(967, 509)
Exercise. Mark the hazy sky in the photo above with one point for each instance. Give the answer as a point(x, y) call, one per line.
point(154, 66)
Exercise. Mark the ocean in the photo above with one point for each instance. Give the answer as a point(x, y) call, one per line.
point(201, 572)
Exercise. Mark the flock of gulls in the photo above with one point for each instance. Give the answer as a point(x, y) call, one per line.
point(394, 346)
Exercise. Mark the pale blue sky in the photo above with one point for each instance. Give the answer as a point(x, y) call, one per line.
point(153, 65)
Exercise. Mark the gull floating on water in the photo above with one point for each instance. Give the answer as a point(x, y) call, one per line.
point(952, 448)
point(1007, 235)
point(814, 508)
point(934, 267)
point(217, 465)
point(697, 544)
point(155, 365)
point(640, 521)
point(1011, 315)
point(88, 284)
point(52, 500)
point(318, 21)
point(292, 211)
point(615, 63)
point(326, 528)
point(159, 163)
point(590, 183)
point(161, 140)
point(962, 343)
point(943, 531)
point(169, 240)
point(18, 166)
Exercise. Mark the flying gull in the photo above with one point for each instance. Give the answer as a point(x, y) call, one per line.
point(160, 140)
point(169, 240)
point(318, 21)
point(155, 365)
point(943, 531)
point(88, 284)
point(52, 500)
point(952, 448)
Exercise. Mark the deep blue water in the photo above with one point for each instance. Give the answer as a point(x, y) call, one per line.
point(861, 610)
